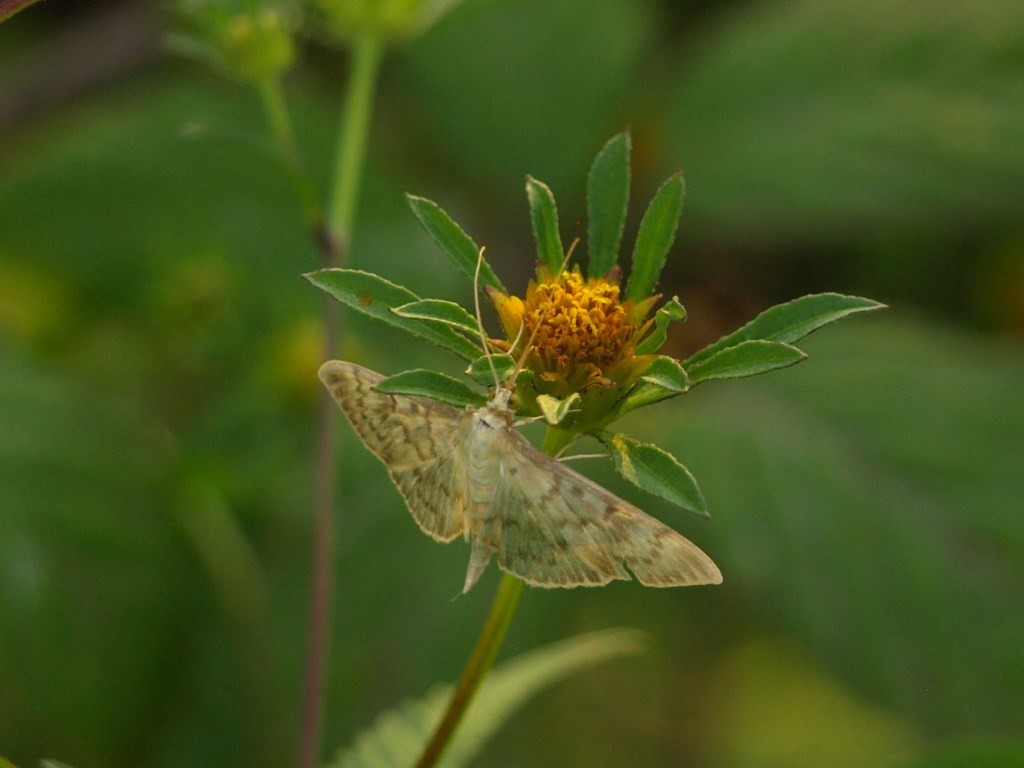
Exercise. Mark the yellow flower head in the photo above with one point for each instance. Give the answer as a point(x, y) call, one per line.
point(581, 334)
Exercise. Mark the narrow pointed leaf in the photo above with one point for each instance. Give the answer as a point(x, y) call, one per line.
point(656, 471)
point(433, 385)
point(556, 410)
point(372, 295)
point(655, 238)
point(544, 215)
point(789, 322)
point(607, 200)
point(481, 372)
point(664, 378)
point(447, 312)
point(397, 737)
point(748, 358)
point(457, 245)
point(672, 312)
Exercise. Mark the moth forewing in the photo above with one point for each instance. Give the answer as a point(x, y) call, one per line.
point(415, 438)
point(561, 529)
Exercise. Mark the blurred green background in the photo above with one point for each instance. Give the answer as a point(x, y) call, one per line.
point(158, 350)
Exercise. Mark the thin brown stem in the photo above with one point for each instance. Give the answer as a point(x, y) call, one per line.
point(323, 539)
point(333, 234)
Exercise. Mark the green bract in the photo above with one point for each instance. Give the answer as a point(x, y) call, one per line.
point(621, 372)
point(249, 40)
point(382, 19)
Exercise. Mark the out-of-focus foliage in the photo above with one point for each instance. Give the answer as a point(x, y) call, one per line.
point(158, 350)
point(877, 516)
point(398, 737)
point(10, 7)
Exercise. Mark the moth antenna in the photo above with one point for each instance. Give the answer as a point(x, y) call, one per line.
point(519, 335)
point(568, 254)
point(574, 456)
point(479, 318)
point(529, 342)
point(522, 358)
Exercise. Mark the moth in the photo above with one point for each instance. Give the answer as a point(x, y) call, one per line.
point(471, 472)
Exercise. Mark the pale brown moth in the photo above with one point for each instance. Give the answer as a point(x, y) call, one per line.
point(471, 472)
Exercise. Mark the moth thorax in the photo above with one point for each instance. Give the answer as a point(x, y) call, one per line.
point(500, 400)
point(494, 416)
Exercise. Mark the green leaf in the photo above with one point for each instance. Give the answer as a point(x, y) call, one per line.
point(789, 322)
point(671, 312)
point(655, 238)
point(555, 410)
point(481, 372)
point(372, 295)
point(5, 763)
point(438, 310)
point(544, 216)
point(656, 471)
point(397, 737)
point(457, 245)
point(748, 358)
point(664, 378)
point(607, 200)
point(432, 385)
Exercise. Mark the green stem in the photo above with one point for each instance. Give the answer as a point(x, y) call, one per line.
point(487, 647)
point(502, 610)
point(333, 233)
point(275, 107)
point(351, 149)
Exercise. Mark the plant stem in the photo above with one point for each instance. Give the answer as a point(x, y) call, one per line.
point(351, 149)
point(275, 107)
point(334, 233)
point(502, 610)
point(487, 647)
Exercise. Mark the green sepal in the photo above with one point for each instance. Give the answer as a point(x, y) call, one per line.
point(664, 378)
point(655, 238)
point(655, 471)
point(544, 215)
point(457, 245)
point(789, 322)
point(671, 312)
point(555, 410)
point(372, 295)
point(748, 358)
point(433, 385)
point(607, 201)
point(480, 370)
point(441, 311)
